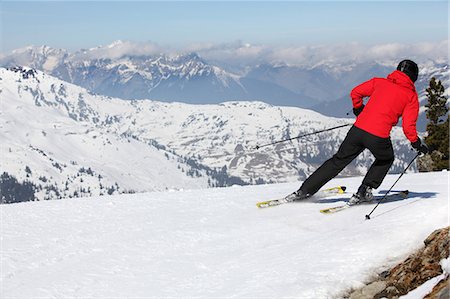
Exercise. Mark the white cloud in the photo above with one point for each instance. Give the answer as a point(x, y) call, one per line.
point(309, 55)
point(120, 48)
point(419, 51)
point(237, 55)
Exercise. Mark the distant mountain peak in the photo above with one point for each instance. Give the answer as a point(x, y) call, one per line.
point(42, 50)
point(115, 43)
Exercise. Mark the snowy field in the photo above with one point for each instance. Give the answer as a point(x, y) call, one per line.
point(212, 243)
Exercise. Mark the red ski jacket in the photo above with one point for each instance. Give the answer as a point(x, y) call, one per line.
point(390, 99)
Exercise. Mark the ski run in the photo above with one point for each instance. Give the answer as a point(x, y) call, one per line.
point(214, 243)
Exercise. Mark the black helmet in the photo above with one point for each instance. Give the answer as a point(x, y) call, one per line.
point(410, 68)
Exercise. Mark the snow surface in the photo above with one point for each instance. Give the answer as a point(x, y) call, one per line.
point(212, 243)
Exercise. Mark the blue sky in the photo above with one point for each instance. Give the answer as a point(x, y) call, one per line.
point(76, 25)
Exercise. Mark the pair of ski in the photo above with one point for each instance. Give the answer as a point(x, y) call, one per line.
point(328, 192)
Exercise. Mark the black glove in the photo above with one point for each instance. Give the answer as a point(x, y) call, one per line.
point(420, 147)
point(357, 111)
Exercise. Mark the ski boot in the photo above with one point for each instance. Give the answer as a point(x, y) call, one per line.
point(298, 195)
point(364, 194)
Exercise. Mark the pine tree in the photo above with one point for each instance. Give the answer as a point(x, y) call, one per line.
point(438, 125)
point(12, 191)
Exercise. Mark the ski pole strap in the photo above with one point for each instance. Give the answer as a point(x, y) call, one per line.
point(301, 136)
point(385, 195)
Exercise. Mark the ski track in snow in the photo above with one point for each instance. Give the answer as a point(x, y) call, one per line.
point(212, 243)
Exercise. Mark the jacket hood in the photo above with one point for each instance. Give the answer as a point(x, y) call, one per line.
point(401, 79)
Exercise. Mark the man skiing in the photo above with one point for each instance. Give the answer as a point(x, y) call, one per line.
point(390, 99)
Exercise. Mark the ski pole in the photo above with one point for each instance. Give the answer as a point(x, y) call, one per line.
point(301, 136)
point(385, 195)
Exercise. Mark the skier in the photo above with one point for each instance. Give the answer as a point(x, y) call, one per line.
point(390, 99)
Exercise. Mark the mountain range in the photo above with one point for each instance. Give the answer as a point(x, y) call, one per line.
point(71, 142)
point(189, 78)
point(184, 77)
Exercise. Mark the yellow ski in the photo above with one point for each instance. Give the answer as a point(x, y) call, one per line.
point(289, 198)
point(390, 197)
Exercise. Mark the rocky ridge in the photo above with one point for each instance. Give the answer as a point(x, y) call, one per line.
point(418, 268)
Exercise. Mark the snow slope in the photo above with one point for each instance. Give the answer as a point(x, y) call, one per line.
point(55, 130)
point(212, 243)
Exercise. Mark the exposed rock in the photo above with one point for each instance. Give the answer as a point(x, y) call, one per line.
point(369, 291)
point(418, 268)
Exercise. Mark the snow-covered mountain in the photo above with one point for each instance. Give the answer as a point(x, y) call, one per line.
point(113, 71)
point(56, 133)
point(215, 243)
point(183, 77)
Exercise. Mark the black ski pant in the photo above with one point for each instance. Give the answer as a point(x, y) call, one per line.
point(354, 143)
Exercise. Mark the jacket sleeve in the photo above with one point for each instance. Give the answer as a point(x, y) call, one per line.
point(363, 90)
point(409, 116)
